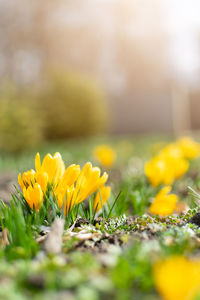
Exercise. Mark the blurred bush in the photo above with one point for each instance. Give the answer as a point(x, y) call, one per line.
point(65, 105)
point(21, 127)
point(73, 106)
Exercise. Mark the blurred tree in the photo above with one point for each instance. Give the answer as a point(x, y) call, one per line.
point(73, 106)
point(21, 125)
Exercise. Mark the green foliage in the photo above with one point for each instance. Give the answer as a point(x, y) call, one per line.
point(21, 127)
point(133, 268)
point(116, 263)
point(73, 106)
point(20, 234)
point(135, 196)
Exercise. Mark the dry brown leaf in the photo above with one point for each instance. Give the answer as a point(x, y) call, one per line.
point(83, 234)
point(41, 239)
point(4, 239)
point(182, 207)
point(53, 241)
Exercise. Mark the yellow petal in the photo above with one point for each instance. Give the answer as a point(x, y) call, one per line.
point(163, 203)
point(164, 191)
point(27, 198)
point(42, 179)
point(105, 155)
point(88, 182)
point(189, 147)
point(20, 181)
point(27, 178)
point(71, 174)
point(105, 194)
point(37, 162)
point(65, 194)
point(177, 278)
point(34, 196)
point(54, 167)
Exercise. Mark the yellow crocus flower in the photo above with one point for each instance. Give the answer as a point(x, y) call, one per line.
point(66, 185)
point(158, 171)
point(176, 166)
point(77, 185)
point(30, 177)
point(52, 165)
point(33, 196)
point(175, 160)
point(26, 179)
point(88, 182)
point(180, 167)
point(105, 194)
point(177, 278)
point(70, 175)
point(172, 150)
point(105, 155)
point(167, 166)
point(163, 203)
point(65, 194)
point(190, 149)
point(42, 179)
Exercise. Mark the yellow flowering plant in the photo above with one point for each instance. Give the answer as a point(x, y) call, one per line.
point(34, 196)
point(190, 149)
point(52, 187)
point(101, 197)
point(172, 162)
point(164, 203)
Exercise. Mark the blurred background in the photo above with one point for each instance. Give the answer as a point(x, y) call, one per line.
point(73, 68)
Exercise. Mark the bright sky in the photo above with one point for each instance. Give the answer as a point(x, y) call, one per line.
point(183, 26)
point(180, 24)
point(182, 14)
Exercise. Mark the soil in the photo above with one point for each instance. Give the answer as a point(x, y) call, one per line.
point(195, 219)
point(7, 185)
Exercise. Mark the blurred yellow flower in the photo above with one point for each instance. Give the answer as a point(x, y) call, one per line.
point(33, 196)
point(52, 165)
point(105, 194)
point(105, 155)
point(88, 182)
point(177, 278)
point(163, 203)
point(190, 149)
point(26, 179)
point(167, 166)
point(171, 162)
point(175, 161)
point(181, 166)
point(172, 150)
point(158, 171)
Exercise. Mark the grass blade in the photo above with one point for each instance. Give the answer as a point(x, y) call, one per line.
point(103, 212)
point(109, 214)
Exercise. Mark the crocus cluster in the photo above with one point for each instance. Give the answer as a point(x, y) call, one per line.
point(69, 186)
point(177, 278)
point(172, 162)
